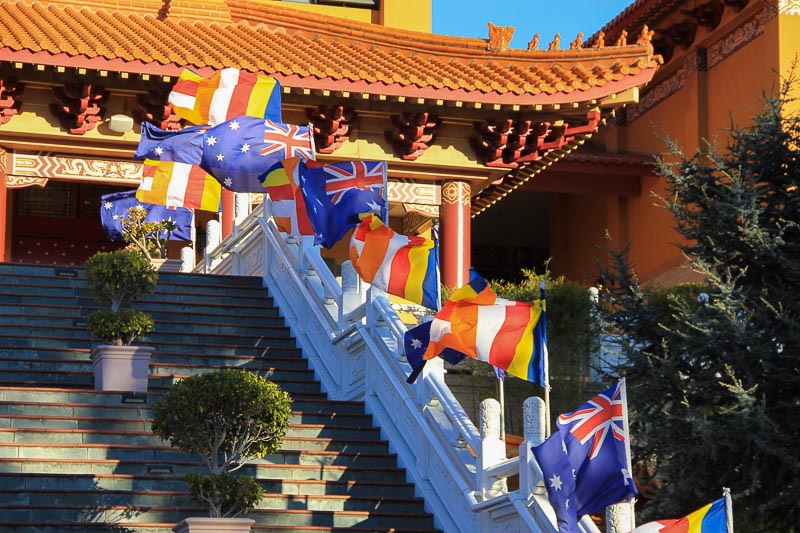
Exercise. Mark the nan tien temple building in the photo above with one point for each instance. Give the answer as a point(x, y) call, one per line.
point(519, 154)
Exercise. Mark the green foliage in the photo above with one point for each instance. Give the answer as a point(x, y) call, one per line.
point(712, 368)
point(228, 418)
point(150, 238)
point(119, 328)
point(116, 279)
point(225, 495)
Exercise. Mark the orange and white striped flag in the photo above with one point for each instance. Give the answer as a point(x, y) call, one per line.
point(175, 184)
point(226, 94)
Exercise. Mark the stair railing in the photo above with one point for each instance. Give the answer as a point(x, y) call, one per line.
point(353, 339)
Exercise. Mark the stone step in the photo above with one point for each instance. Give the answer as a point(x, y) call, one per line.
point(282, 357)
point(46, 498)
point(221, 344)
point(164, 322)
point(86, 432)
point(157, 383)
point(119, 482)
point(180, 466)
point(91, 399)
point(48, 414)
point(132, 514)
point(163, 332)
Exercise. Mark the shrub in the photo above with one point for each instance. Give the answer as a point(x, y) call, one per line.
point(116, 279)
point(228, 418)
point(150, 238)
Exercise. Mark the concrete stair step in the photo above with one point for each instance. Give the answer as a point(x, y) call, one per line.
point(166, 322)
point(49, 414)
point(181, 466)
point(92, 400)
point(118, 482)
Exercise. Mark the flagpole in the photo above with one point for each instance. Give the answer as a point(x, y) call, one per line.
point(624, 395)
point(726, 492)
point(546, 364)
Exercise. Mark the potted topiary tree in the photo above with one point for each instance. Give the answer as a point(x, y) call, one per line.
point(228, 418)
point(116, 279)
point(150, 238)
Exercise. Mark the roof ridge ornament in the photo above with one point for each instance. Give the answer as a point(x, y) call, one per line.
point(499, 37)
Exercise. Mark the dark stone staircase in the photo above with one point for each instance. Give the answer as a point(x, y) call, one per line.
point(73, 459)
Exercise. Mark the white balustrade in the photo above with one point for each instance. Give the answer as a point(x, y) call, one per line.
point(353, 340)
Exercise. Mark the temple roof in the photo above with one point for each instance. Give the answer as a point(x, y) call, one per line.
point(311, 51)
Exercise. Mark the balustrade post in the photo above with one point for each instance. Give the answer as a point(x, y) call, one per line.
point(493, 450)
point(620, 517)
point(187, 259)
point(432, 369)
point(241, 209)
point(213, 238)
point(533, 415)
point(351, 289)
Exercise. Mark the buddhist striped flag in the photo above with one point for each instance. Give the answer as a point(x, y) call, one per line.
point(405, 266)
point(286, 201)
point(226, 94)
point(175, 184)
point(509, 335)
point(713, 518)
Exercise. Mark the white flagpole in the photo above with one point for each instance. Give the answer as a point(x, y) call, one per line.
point(546, 364)
point(624, 394)
point(726, 492)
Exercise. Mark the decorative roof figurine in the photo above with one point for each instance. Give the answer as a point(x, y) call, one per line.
point(622, 40)
point(534, 43)
point(556, 44)
point(577, 44)
point(500, 36)
point(600, 42)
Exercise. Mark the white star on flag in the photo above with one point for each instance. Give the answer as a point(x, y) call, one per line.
point(416, 344)
point(211, 141)
point(555, 482)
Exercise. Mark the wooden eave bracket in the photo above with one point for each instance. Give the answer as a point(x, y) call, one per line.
point(331, 126)
point(155, 109)
point(511, 143)
point(412, 134)
point(79, 107)
point(10, 90)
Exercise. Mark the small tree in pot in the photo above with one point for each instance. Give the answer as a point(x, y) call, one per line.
point(116, 279)
point(228, 418)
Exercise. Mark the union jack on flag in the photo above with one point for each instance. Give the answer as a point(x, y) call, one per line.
point(287, 140)
point(596, 419)
point(586, 463)
point(354, 175)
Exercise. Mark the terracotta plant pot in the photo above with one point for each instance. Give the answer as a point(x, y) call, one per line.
point(121, 368)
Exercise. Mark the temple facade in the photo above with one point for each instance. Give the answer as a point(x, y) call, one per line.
point(519, 155)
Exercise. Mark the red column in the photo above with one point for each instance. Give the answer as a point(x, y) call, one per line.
point(3, 205)
point(228, 201)
point(455, 238)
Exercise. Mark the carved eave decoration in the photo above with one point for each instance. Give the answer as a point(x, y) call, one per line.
point(331, 126)
point(79, 106)
point(10, 91)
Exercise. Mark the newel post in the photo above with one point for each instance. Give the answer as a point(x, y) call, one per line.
point(493, 450)
point(533, 413)
point(620, 517)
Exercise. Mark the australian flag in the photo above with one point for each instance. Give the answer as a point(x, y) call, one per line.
point(114, 206)
point(181, 146)
point(586, 463)
point(337, 194)
point(240, 152)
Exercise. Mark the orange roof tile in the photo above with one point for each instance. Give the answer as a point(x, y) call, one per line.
point(308, 50)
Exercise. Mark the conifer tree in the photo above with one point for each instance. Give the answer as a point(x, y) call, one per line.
point(714, 368)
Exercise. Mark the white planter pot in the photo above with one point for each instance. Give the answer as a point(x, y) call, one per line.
point(214, 525)
point(121, 368)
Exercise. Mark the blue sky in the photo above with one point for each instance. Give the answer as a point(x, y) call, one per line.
point(468, 18)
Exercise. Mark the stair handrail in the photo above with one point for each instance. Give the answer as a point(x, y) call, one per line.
point(354, 344)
